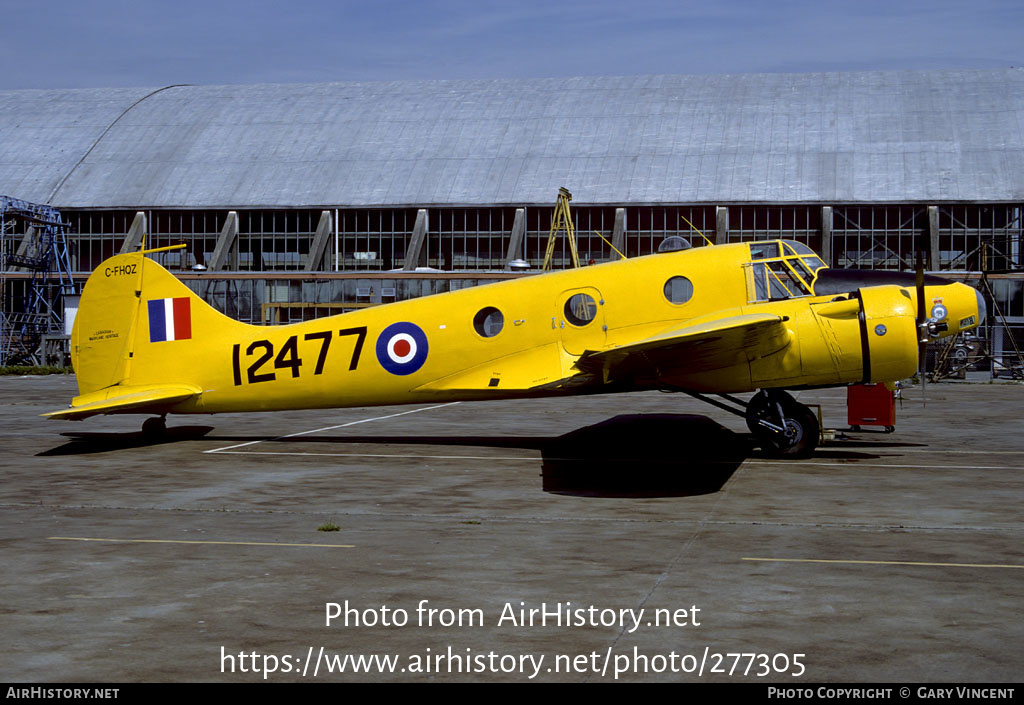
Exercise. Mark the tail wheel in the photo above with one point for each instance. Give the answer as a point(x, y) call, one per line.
point(799, 429)
point(154, 428)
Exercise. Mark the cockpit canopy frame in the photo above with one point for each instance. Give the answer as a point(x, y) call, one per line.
point(781, 269)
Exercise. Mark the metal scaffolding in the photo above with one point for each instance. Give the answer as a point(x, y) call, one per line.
point(37, 258)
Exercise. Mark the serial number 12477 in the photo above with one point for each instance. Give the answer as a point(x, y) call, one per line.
point(287, 357)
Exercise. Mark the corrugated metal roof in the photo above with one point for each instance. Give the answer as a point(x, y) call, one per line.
point(776, 138)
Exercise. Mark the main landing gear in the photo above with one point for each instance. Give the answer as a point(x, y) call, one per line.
point(782, 426)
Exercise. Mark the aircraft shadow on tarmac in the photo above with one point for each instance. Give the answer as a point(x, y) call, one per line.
point(83, 443)
point(637, 455)
point(644, 455)
point(631, 455)
point(652, 455)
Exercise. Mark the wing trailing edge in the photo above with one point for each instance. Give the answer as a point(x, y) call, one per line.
point(703, 346)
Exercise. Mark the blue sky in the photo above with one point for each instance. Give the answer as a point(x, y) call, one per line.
point(105, 43)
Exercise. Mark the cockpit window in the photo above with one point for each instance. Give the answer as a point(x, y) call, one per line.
point(782, 269)
point(803, 270)
point(814, 262)
point(763, 250)
point(774, 281)
point(806, 254)
point(788, 278)
point(798, 248)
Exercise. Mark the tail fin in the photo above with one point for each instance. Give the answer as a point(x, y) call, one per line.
point(104, 332)
point(137, 340)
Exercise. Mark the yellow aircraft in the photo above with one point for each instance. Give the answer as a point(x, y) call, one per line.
point(766, 316)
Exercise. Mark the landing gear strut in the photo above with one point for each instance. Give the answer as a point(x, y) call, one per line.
point(783, 425)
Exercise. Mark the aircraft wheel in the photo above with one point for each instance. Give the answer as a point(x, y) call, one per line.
point(760, 407)
point(802, 430)
point(154, 428)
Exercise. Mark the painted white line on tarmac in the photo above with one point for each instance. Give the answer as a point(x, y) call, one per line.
point(914, 563)
point(330, 428)
point(416, 456)
point(857, 464)
point(911, 451)
point(384, 455)
point(213, 543)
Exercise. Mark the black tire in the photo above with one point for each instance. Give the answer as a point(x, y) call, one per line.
point(759, 407)
point(802, 427)
point(154, 428)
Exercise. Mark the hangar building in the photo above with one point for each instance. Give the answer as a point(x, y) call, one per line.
point(306, 200)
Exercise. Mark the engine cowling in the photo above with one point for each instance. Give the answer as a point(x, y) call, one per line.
point(888, 333)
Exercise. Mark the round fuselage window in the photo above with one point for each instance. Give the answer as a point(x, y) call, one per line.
point(488, 322)
point(580, 309)
point(678, 290)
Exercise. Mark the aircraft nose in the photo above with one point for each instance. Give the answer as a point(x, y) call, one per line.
point(982, 309)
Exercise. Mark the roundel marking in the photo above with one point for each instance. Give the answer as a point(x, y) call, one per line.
point(402, 348)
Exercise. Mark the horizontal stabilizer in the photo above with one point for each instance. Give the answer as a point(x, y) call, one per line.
point(126, 399)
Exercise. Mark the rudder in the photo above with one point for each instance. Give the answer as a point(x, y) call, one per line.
point(130, 304)
point(108, 313)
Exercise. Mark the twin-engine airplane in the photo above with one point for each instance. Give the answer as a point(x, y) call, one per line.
point(765, 316)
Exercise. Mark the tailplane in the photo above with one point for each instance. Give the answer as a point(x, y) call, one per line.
point(136, 345)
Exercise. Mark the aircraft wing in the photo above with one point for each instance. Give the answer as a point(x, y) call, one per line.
point(126, 399)
point(697, 347)
point(522, 371)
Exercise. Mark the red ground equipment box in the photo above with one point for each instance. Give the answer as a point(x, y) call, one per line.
point(870, 405)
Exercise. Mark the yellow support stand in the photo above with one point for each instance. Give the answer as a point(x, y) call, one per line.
point(561, 220)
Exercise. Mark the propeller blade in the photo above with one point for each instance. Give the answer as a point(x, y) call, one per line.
point(922, 334)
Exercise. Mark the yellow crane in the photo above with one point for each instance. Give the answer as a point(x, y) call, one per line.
point(561, 219)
